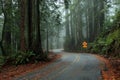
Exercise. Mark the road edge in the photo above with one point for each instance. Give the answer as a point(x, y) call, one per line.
point(107, 70)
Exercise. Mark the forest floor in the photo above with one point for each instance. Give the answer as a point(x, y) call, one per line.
point(9, 72)
point(111, 70)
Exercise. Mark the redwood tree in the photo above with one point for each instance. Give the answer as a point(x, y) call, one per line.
point(22, 26)
point(6, 34)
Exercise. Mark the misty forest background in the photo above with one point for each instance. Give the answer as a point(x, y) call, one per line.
point(28, 28)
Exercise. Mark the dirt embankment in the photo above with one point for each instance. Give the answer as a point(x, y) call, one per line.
point(111, 71)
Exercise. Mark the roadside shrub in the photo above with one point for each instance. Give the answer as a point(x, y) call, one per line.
point(109, 45)
point(25, 57)
point(22, 57)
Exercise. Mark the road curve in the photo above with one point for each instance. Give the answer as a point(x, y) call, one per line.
point(72, 66)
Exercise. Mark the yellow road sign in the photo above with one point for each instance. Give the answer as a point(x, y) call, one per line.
point(84, 44)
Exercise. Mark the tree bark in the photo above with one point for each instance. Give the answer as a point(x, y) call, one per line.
point(6, 34)
point(22, 26)
point(30, 25)
point(39, 45)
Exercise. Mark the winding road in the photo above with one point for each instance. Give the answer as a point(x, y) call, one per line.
point(72, 66)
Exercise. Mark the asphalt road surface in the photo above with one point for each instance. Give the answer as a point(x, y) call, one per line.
point(72, 66)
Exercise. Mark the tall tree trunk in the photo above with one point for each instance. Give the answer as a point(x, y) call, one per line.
point(102, 15)
point(6, 34)
point(22, 26)
point(30, 25)
point(38, 46)
point(1, 45)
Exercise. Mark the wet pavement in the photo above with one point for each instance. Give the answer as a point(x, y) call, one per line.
point(72, 66)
